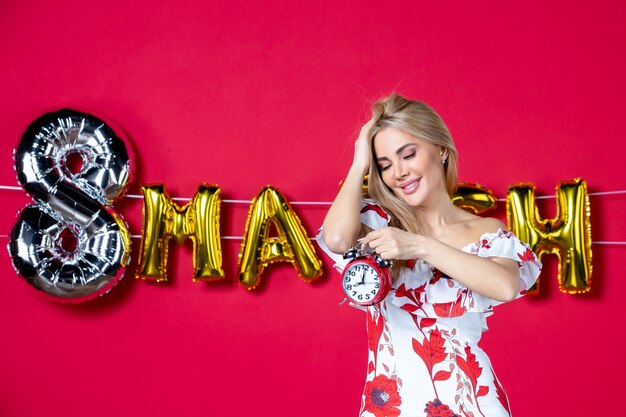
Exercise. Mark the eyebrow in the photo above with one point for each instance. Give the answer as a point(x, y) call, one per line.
point(398, 152)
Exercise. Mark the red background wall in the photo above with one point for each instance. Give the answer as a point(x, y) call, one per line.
point(245, 94)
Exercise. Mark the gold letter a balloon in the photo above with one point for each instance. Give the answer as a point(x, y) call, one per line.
point(258, 249)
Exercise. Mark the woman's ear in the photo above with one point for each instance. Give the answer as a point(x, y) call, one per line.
point(443, 153)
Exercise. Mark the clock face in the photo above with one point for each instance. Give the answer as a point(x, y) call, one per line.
point(361, 282)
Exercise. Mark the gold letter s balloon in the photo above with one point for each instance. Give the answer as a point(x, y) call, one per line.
point(474, 198)
point(198, 220)
point(568, 235)
point(258, 249)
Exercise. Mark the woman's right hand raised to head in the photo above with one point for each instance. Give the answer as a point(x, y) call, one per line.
point(343, 220)
point(363, 148)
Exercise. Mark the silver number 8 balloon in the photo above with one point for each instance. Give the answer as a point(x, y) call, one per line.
point(70, 244)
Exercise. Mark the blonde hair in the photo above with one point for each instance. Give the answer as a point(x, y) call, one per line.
point(419, 120)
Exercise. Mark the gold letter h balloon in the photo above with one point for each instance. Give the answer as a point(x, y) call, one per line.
point(568, 235)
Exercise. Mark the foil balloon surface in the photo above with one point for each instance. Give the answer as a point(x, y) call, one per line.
point(198, 220)
point(70, 244)
point(259, 249)
point(567, 235)
point(474, 198)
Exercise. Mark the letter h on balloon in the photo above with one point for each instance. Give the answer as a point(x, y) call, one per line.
point(568, 235)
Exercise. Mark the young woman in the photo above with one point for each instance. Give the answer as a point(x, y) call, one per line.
point(450, 268)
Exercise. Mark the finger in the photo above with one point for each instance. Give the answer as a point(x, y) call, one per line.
point(367, 125)
point(367, 239)
point(374, 243)
point(374, 234)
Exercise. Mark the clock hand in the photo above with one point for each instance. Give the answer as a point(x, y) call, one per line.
point(362, 280)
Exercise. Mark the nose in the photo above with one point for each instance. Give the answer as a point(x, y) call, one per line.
point(401, 171)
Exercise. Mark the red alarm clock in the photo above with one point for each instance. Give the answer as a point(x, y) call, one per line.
point(366, 279)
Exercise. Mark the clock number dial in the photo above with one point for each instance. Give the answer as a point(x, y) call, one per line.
point(362, 283)
point(366, 280)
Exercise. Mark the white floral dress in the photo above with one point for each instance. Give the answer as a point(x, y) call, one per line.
point(424, 358)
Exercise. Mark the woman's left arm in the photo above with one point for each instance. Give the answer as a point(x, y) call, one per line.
point(496, 278)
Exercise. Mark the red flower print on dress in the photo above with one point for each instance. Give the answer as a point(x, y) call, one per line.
point(500, 394)
point(470, 367)
point(382, 397)
point(375, 327)
point(436, 409)
point(412, 294)
point(472, 370)
point(426, 323)
point(452, 309)
point(527, 256)
point(378, 210)
point(437, 275)
point(432, 351)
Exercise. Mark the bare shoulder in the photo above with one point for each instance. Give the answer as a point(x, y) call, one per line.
point(473, 224)
point(469, 228)
point(473, 227)
point(482, 225)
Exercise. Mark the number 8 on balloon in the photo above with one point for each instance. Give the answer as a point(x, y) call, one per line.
point(70, 244)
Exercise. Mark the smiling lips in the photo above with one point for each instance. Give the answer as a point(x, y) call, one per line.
point(409, 187)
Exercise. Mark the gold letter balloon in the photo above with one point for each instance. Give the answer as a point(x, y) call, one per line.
point(568, 235)
point(198, 220)
point(258, 249)
point(474, 198)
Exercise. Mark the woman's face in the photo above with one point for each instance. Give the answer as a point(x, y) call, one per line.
point(409, 166)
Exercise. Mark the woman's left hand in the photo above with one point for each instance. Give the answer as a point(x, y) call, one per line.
point(394, 243)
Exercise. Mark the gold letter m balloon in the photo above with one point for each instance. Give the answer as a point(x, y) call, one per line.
point(568, 235)
point(258, 249)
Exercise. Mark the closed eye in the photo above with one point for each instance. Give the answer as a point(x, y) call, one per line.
point(384, 168)
point(409, 156)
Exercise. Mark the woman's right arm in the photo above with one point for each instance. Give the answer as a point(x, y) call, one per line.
point(343, 221)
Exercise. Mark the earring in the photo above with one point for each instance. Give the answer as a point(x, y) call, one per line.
point(443, 162)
